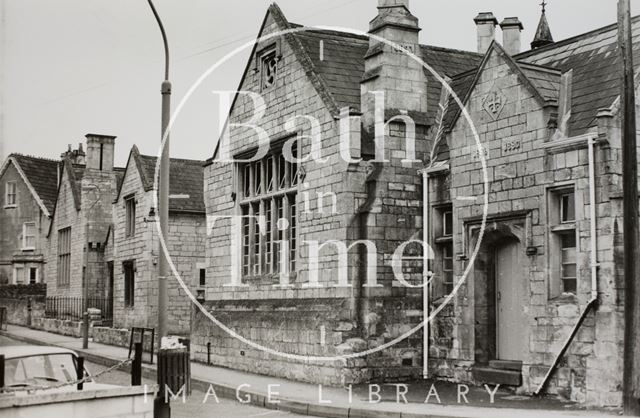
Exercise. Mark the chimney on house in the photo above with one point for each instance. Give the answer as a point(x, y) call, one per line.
point(511, 31)
point(486, 23)
point(100, 152)
point(390, 70)
point(76, 156)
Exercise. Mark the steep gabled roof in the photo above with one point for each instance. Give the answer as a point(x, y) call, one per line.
point(593, 57)
point(342, 66)
point(186, 181)
point(41, 177)
point(337, 76)
point(541, 81)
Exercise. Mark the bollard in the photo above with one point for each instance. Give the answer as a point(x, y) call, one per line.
point(80, 371)
point(1, 372)
point(136, 365)
point(85, 330)
point(209, 352)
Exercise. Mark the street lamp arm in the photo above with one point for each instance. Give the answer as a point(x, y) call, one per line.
point(164, 40)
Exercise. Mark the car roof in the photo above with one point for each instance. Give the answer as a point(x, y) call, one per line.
point(16, 351)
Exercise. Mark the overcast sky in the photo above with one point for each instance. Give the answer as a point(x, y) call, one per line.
point(71, 67)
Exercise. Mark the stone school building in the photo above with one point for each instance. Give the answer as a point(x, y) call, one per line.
point(545, 262)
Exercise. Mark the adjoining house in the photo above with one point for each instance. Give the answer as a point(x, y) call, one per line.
point(544, 264)
point(135, 243)
point(28, 186)
point(81, 221)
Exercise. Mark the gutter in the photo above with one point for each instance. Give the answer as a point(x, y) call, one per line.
point(426, 236)
point(590, 139)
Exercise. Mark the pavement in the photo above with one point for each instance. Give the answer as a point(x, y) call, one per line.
point(417, 399)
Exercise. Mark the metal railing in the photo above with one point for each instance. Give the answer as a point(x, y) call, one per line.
point(61, 307)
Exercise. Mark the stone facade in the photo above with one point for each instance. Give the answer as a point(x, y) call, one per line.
point(321, 319)
point(536, 115)
point(522, 182)
point(84, 204)
point(185, 243)
point(23, 262)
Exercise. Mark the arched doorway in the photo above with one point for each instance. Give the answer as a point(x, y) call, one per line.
point(500, 295)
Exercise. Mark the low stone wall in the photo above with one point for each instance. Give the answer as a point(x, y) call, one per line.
point(24, 303)
point(60, 326)
point(119, 337)
point(312, 327)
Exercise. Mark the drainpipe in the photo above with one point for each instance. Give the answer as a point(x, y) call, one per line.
point(591, 140)
point(425, 275)
point(362, 215)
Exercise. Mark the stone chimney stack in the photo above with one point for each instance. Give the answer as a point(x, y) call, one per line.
point(389, 69)
point(100, 152)
point(486, 23)
point(511, 35)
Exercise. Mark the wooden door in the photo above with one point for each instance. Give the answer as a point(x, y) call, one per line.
point(511, 323)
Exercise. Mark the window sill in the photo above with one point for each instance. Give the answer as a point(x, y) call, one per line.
point(10, 206)
point(566, 227)
point(268, 278)
point(28, 249)
point(444, 240)
point(565, 299)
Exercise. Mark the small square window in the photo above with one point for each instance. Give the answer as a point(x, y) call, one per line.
point(130, 216)
point(203, 277)
point(29, 236)
point(447, 223)
point(447, 268)
point(567, 207)
point(569, 273)
point(129, 283)
point(33, 275)
point(11, 194)
point(18, 275)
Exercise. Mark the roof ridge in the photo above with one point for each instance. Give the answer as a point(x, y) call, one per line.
point(446, 49)
point(363, 37)
point(14, 154)
point(173, 159)
point(572, 39)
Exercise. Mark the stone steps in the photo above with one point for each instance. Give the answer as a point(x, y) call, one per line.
point(514, 365)
point(491, 375)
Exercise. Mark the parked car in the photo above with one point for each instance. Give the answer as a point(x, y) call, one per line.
point(36, 366)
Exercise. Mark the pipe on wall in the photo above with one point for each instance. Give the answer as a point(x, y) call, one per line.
point(591, 140)
point(426, 205)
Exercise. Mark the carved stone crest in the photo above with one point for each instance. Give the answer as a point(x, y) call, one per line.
point(494, 102)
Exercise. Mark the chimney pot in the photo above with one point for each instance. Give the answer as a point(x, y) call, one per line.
point(486, 23)
point(511, 35)
point(393, 3)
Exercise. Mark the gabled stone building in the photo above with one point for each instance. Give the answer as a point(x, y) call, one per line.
point(134, 242)
point(81, 221)
point(286, 303)
point(28, 186)
point(510, 283)
point(549, 261)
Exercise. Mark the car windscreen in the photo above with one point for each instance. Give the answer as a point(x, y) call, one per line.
point(40, 370)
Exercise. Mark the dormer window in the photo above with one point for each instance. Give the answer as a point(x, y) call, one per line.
point(268, 69)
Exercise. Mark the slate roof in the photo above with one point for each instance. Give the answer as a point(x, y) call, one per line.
point(42, 173)
point(186, 178)
point(342, 66)
point(592, 56)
